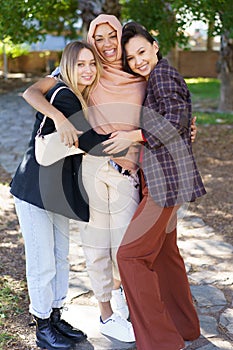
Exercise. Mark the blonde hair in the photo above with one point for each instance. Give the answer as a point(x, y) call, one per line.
point(68, 66)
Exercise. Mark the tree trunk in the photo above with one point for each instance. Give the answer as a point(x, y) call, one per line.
point(210, 39)
point(112, 7)
point(89, 10)
point(226, 73)
point(85, 27)
point(5, 65)
point(173, 57)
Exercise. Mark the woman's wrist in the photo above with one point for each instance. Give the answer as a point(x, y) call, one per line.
point(136, 136)
point(57, 117)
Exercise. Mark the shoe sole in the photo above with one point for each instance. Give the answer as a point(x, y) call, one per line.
point(112, 337)
point(42, 345)
point(73, 339)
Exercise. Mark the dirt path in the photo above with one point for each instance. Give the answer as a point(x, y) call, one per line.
point(213, 151)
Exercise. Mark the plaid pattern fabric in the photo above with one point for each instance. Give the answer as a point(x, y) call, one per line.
point(168, 162)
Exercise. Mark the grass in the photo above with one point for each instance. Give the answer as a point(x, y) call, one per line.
point(204, 88)
point(205, 95)
point(213, 118)
point(10, 296)
point(5, 338)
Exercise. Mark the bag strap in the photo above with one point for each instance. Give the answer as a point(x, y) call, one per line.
point(51, 101)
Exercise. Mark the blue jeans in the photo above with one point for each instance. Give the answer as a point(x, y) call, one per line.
point(46, 239)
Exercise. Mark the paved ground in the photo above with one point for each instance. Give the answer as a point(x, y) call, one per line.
point(208, 258)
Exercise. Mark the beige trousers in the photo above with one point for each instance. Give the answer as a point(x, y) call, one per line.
point(113, 199)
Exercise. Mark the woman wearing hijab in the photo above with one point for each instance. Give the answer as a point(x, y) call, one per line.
point(114, 189)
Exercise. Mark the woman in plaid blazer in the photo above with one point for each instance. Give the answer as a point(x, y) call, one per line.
point(151, 267)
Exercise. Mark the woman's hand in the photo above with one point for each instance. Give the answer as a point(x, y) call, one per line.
point(193, 129)
point(68, 133)
point(120, 140)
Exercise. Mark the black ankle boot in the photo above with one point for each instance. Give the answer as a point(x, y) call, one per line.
point(48, 338)
point(65, 328)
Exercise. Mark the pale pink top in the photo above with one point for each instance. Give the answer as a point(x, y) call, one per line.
point(116, 101)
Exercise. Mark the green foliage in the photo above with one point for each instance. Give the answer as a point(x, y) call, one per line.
point(169, 18)
point(14, 50)
point(159, 18)
point(218, 12)
point(29, 20)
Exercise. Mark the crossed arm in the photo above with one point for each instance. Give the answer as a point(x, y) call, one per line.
point(118, 141)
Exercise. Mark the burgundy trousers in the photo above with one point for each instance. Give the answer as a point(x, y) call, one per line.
point(155, 281)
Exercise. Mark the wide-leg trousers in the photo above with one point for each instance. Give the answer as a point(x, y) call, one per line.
point(155, 281)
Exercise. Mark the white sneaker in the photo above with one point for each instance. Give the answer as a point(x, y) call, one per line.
point(118, 303)
point(118, 328)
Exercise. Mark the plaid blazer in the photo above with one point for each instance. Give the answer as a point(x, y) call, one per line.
point(168, 163)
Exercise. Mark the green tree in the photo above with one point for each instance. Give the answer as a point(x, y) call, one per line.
point(159, 17)
point(30, 20)
point(219, 14)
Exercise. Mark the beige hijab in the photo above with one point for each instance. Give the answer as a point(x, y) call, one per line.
point(118, 97)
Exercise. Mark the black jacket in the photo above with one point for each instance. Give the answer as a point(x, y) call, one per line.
point(59, 187)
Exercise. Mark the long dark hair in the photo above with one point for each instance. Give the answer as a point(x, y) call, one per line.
point(129, 31)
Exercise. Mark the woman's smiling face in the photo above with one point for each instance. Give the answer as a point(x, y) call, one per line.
point(106, 41)
point(141, 55)
point(86, 68)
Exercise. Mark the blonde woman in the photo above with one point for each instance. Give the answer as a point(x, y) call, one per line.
point(46, 197)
